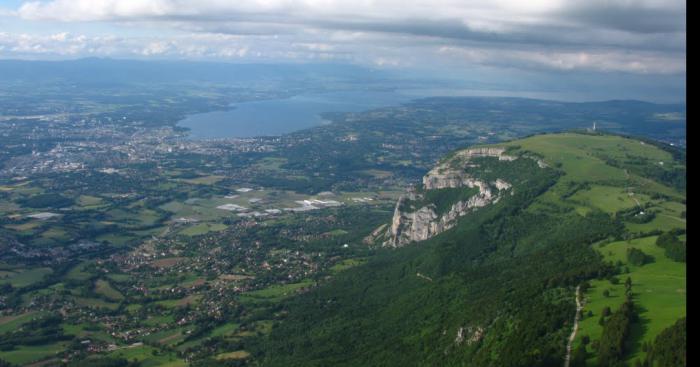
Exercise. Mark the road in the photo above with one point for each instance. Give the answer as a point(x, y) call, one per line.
point(569, 345)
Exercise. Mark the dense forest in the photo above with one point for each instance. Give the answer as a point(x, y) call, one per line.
point(497, 290)
point(384, 314)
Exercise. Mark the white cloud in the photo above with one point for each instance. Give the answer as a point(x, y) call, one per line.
point(315, 46)
point(59, 37)
point(633, 36)
point(493, 16)
point(89, 10)
point(157, 48)
point(594, 60)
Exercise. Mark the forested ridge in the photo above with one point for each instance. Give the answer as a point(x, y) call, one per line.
point(497, 290)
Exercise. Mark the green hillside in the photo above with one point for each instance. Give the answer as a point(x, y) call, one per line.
point(499, 288)
point(653, 182)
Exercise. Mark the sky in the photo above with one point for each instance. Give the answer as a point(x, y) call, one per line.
point(639, 43)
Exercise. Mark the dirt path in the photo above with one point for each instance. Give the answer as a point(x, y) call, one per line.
point(636, 201)
point(569, 345)
point(630, 193)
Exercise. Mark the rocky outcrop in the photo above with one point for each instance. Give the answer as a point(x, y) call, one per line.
point(451, 173)
point(417, 224)
point(471, 335)
point(424, 223)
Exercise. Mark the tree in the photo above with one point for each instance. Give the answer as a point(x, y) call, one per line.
point(578, 358)
point(615, 333)
point(585, 340)
point(674, 248)
point(637, 257)
point(670, 346)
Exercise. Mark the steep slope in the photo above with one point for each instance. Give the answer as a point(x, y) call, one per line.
point(496, 287)
point(449, 191)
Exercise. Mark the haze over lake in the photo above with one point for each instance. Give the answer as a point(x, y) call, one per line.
point(280, 116)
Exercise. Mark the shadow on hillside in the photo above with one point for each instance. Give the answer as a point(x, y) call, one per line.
point(638, 330)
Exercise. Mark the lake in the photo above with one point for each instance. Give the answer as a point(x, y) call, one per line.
point(280, 116)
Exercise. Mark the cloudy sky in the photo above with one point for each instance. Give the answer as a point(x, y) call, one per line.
point(634, 40)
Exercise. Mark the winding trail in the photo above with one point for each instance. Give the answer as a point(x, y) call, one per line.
point(569, 345)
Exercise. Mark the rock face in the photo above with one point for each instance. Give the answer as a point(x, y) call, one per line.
point(423, 223)
point(451, 173)
point(475, 335)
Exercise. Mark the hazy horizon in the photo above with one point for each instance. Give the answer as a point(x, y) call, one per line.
point(597, 50)
point(423, 83)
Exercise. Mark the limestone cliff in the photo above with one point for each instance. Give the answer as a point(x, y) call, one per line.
point(412, 224)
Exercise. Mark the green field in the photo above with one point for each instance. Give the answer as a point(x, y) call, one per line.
point(346, 264)
point(27, 354)
point(270, 163)
point(119, 277)
point(133, 217)
point(147, 356)
point(103, 287)
point(10, 323)
point(202, 228)
point(95, 303)
point(204, 180)
point(117, 239)
point(159, 320)
point(276, 292)
point(189, 300)
point(89, 331)
point(609, 199)
point(666, 218)
point(167, 337)
point(575, 154)
point(90, 202)
point(591, 182)
point(25, 277)
point(78, 273)
point(583, 157)
point(659, 292)
point(224, 330)
point(240, 354)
